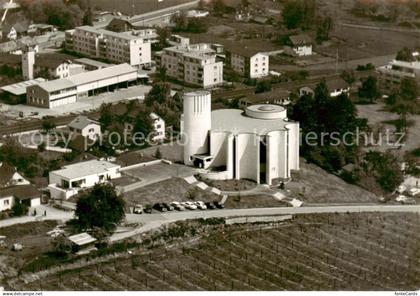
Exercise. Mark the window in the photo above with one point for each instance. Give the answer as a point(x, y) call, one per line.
point(6, 202)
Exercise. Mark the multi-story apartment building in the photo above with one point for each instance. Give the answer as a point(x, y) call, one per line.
point(249, 63)
point(391, 75)
point(194, 64)
point(133, 48)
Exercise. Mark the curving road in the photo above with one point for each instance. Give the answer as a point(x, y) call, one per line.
point(153, 221)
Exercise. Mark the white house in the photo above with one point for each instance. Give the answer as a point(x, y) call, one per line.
point(159, 127)
point(71, 179)
point(10, 177)
point(27, 194)
point(85, 127)
point(301, 44)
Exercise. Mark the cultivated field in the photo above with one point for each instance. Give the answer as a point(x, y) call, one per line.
point(313, 252)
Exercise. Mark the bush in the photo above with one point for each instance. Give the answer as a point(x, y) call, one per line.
point(19, 209)
point(263, 86)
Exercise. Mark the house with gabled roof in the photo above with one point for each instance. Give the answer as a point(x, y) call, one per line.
point(301, 44)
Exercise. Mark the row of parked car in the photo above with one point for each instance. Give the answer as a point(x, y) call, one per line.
point(178, 206)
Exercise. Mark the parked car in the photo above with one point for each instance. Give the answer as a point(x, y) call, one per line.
point(160, 207)
point(200, 205)
point(210, 206)
point(189, 205)
point(168, 207)
point(178, 206)
point(138, 209)
point(218, 205)
point(148, 209)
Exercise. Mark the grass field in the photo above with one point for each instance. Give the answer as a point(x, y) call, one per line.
point(313, 252)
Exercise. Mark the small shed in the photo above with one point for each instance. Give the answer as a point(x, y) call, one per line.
point(82, 242)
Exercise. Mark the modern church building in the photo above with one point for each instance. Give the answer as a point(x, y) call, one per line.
point(258, 143)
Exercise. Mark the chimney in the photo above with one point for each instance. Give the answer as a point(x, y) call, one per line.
point(28, 62)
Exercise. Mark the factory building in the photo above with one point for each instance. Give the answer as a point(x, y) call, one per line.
point(258, 143)
point(55, 93)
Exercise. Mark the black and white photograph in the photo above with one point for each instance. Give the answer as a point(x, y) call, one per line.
point(210, 146)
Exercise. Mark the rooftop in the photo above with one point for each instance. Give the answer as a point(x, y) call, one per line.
point(90, 62)
point(21, 192)
point(86, 168)
point(87, 77)
point(57, 84)
point(82, 239)
point(237, 122)
point(80, 122)
point(52, 60)
point(301, 39)
point(19, 88)
point(6, 173)
point(101, 74)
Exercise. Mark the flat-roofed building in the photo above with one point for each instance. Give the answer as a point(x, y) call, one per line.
point(116, 47)
point(248, 62)
point(391, 75)
point(193, 64)
point(72, 178)
point(54, 93)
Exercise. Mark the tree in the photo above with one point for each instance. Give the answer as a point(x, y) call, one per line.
point(406, 55)
point(409, 90)
point(62, 246)
point(19, 209)
point(348, 76)
point(219, 7)
point(100, 207)
point(48, 125)
point(88, 18)
point(369, 89)
point(158, 154)
point(324, 28)
point(263, 86)
point(42, 147)
point(293, 14)
point(143, 124)
point(106, 116)
point(160, 93)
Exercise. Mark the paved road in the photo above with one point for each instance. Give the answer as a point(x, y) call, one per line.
point(153, 221)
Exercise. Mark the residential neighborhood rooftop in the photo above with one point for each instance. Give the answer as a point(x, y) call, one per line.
point(21, 192)
point(81, 122)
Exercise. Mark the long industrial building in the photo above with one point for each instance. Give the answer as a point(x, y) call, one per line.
point(55, 93)
point(259, 144)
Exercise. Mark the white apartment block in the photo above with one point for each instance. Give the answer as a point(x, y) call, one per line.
point(132, 48)
point(391, 75)
point(72, 178)
point(193, 64)
point(248, 63)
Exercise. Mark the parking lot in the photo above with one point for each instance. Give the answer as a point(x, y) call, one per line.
point(158, 172)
